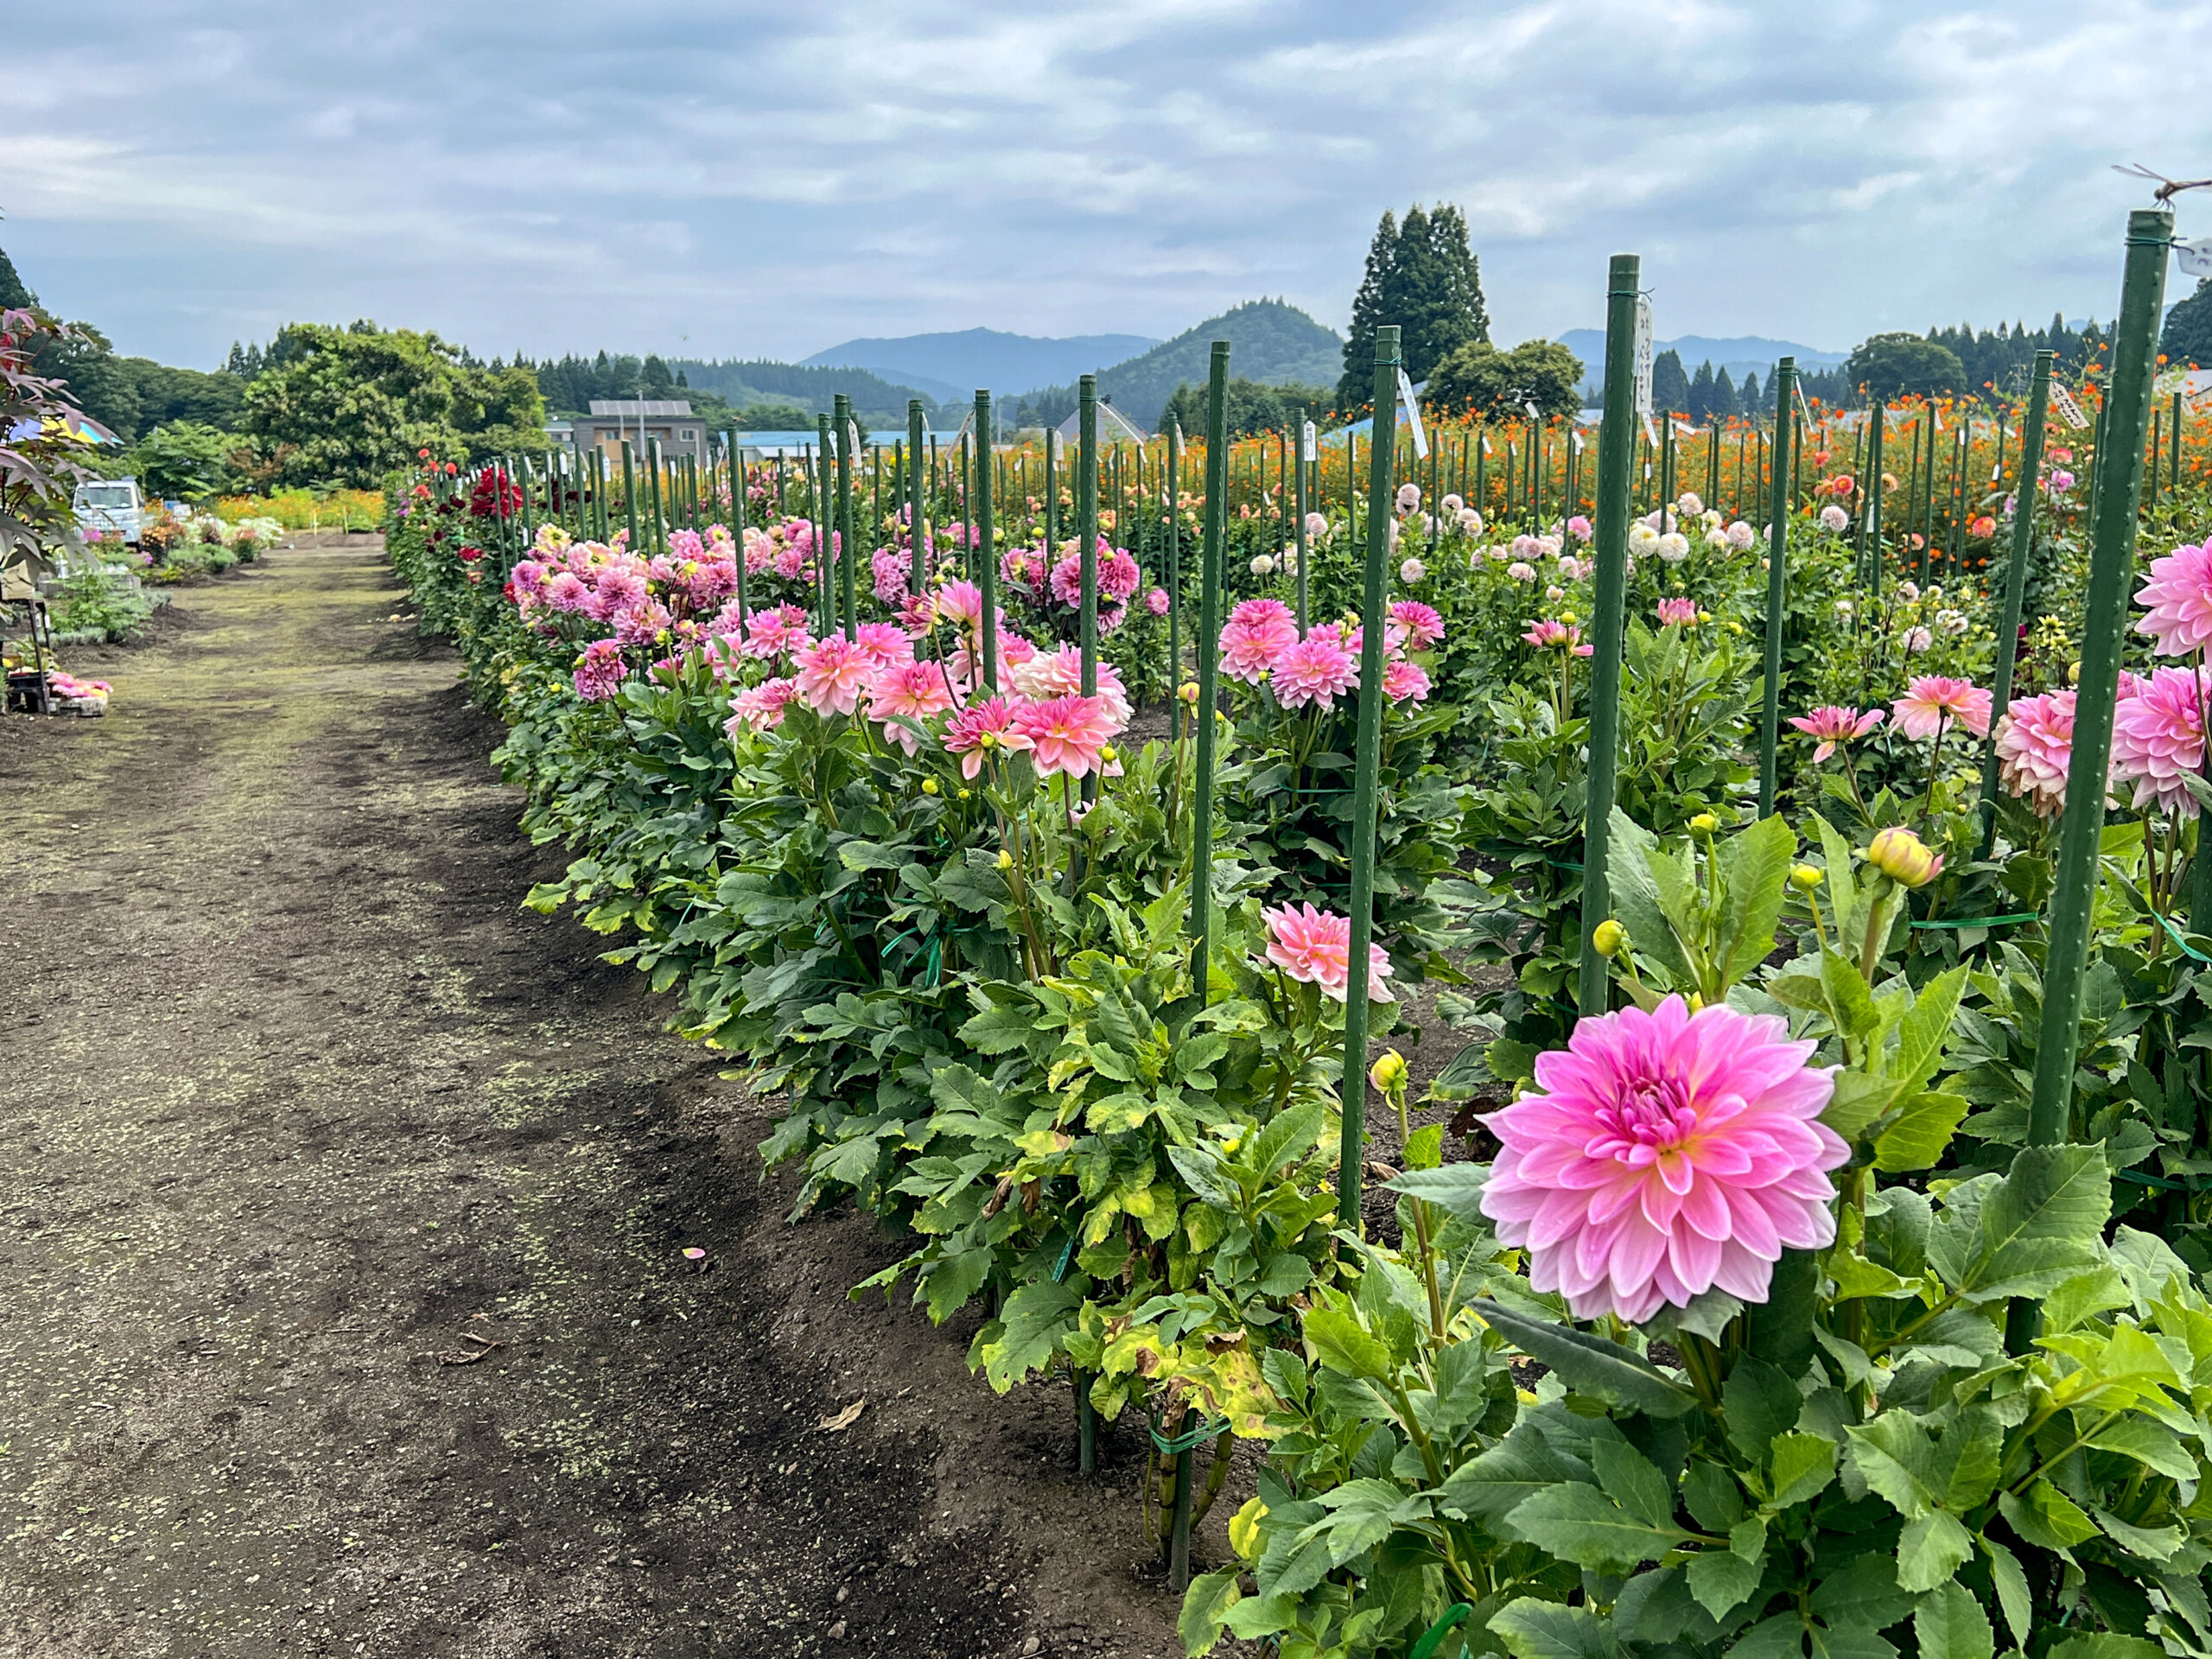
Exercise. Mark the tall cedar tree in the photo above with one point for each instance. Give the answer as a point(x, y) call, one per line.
point(1423, 276)
point(14, 295)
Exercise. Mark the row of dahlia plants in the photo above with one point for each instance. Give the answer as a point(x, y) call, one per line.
point(949, 926)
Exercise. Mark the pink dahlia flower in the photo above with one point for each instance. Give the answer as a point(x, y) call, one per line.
point(961, 603)
point(884, 644)
point(1065, 735)
point(1579, 527)
point(831, 675)
point(1936, 700)
point(1042, 677)
point(2158, 734)
point(1835, 727)
point(762, 707)
point(1314, 948)
point(1156, 601)
point(1404, 682)
point(1677, 613)
point(1067, 581)
point(2035, 745)
point(1665, 1154)
point(965, 736)
point(1557, 636)
point(772, 633)
point(1257, 633)
point(1317, 669)
point(600, 671)
point(892, 566)
point(1423, 626)
point(1118, 575)
point(917, 690)
point(2179, 597)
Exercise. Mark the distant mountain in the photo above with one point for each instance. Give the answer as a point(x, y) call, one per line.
point(1269, 341)
point(1745, 353)
point(949, 367)
point(879, 400)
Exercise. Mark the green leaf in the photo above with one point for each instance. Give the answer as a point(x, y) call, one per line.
point(1549, 1629)
point(1893, 1455)
point(1455, 1188)
point(1782, 1637)
point(1950, 1625)
point(1803, 1465)
point(1927, 1027)
point(1362, 1513)
point(1925, 1123)
point(1930, 1550)
point(867, 855)
point(954, 1280)
point(2049, 1212)
point(1964, 1470)
point(1028, 1332)
point(1712, 1495)
point(2147, 1443)
point(1489, 1486)
point(2105, 1645)
point(1720, 1579)
point(1755, 875)
point(1205, 1606)
point(2153, 1543)
point(1580, 1524)
point(1857, 1101)
point(1636, 898)
point(2011, 1588)
point(1862, 1591)
point(1631, 1479)
point(1851, 1002)
point(1342, 1344)
point(2047, 1517)
point(1759, 1401)
point(1425, 1147)
point(1592, 1365)
point(1288, 1136)
point(2098, 1291)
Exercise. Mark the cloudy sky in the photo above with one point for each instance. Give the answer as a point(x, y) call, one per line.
point(748, 179)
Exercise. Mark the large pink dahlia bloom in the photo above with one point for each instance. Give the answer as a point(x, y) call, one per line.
point(1314, 947)
point(2158, 734)
point(2178, 596)
point(2035, 747)
point(1666, 1153)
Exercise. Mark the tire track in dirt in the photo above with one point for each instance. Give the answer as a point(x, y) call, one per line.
point(298, 1101)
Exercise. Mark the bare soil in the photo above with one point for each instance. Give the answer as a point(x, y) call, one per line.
point(343, 1307)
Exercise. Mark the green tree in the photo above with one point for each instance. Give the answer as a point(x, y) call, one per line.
point(1483, 380)
point(1670, 386)
point(183, 458)
point(1698, 403)
point(1423, 276)
point(1251, 408)
point(1725, 401)
point(2187, 336)
point(1891, 365)
point(14, 294)
point(345, 406)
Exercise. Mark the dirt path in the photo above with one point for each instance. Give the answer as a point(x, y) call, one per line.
point(301, 1109)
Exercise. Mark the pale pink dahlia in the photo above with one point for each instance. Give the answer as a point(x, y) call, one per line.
point(761, 707)
point(991, 717)
point(1405, 682)
point(831, 675)
point(1317, 669)
point(915, 690)
point(1548, 635)
point(1835, 727)
point(1423, 626)
point(2178, 596)
point(1257, 633)
point(884, 644)
point(1066, 734)
point(1677, 613)
point(1156, 601)
point(1314, 947)
point(1936, 703)
point(600, 671)
point(1666, 1153)
point(2035, 745)
point(2158, 734)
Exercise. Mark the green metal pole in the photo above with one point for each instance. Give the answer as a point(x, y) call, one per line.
point(1086, 519)
point(1609, 547)
point(1302, 580)
point(2016, 574)
point(817, 507)
point(1175, 579)
point(987, 564)
point(1052, 548)
point(659, 538)
point(2112, 563)
point(917, 571)
point(1208, 649)
point(630, 493)
point(1777, 558)
point(2111, 566)
point(1873, 488)
point(848, 582)
point(1366, 767)
point(737, 521)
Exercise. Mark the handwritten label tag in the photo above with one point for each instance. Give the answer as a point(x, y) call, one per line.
point(2069, 410)
point(1309, 443)
point(2195, 257)
point(1412, 416)
point(1650, 433)
point(1643, 358)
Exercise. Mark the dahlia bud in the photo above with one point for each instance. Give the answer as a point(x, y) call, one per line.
point(1389, 1073)
point(1705, 823)
point(1903, 857)
point(1189, 692)
point(1805, 878)
point(1608, 938)
point(988, 741)
point(1106, 751)
point(1006, 860)
point(929, 786)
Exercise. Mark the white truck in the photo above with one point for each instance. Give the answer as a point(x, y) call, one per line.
point(111, 508)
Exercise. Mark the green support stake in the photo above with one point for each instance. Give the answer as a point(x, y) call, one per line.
point(847, 546)
point(1777, 562)
point(818, 506)
point(660, 536)
point(1366, 756)
point(1207, 648)
point(917, 573)
point(1086, 530)
point(1872, 483)
point(2016, 575)
point(1052, 498)
point(1303, 585)
point(1174, 581)
point(1609, 547)
point(737, 522)
point(630, 493)
point(987, 564)
point(2112, 564)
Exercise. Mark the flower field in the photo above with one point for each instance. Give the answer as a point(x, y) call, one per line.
point(1787, 831)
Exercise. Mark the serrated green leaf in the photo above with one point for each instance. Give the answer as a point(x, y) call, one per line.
point(1803, 1465)
point(1893, 1455)
point(1630, 1478)
point(1580, 1524)
point(1490, 1485)
point(1754, 873)
point(1950, 1625)
point(1930, 1549)
point(1340, 1343)
point(1592, 1365)
point(1720, 1579)
point(1205, 1607)
point(1924, 1128)
point(1549, 1629)
point(1759, 1401)
point(2011, 1589)
point(1927, 1027)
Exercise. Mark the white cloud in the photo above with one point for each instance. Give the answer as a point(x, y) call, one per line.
point(760, 178)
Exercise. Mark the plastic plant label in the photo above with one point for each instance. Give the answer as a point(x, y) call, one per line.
point(1413, 415)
